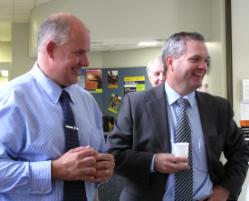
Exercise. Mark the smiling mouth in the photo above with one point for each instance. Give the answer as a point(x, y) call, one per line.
point(198, 75)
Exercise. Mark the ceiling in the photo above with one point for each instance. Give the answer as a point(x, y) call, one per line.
point(18, 11)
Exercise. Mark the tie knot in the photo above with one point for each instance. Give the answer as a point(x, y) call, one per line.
point(65, 96)
point(183, 102)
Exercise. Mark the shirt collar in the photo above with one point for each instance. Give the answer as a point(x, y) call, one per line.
point(172, 95)
point(52, 89)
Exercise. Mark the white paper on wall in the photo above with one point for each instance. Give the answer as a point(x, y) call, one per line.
point(245, 88)
point(244, 106)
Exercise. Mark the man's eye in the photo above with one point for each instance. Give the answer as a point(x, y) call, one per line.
point(78, 53)
point(194, 60)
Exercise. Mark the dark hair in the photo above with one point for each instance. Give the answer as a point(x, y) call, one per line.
point(106, 120)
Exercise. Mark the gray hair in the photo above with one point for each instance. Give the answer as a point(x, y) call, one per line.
point(175, 45)
point(56, 28)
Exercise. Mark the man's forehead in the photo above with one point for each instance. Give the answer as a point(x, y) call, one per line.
point(158, 69)
point(196, 47)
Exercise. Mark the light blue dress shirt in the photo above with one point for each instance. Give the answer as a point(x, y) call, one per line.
point(201, 180)
point(31, 135)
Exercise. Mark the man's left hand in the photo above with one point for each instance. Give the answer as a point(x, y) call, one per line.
point(104, 167)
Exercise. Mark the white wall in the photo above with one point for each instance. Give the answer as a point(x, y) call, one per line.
point(130, 58)
point(240, 34)
point(215, 77)
point(123, 58)
point(240, 37)
point(5, 52)
point(21, 62)
point(5, 59)
point(118, 19)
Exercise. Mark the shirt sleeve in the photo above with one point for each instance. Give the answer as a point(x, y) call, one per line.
point(152, 166)
point(17, 171)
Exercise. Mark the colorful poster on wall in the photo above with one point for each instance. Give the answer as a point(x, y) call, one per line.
point(93, 80)
point(114, 103)
point(134, 83)
point(112, 79)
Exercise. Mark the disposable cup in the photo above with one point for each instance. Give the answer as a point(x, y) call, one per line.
point(181, 149)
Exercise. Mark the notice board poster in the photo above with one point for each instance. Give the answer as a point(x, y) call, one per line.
point(134, 83)
point(112, 79)
point(93, 80)
point(114, 103)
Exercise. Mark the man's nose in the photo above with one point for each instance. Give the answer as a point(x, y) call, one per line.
point(203, 65)
point(84, 61)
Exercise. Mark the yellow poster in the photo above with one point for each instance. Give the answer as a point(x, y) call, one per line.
point(134, 83)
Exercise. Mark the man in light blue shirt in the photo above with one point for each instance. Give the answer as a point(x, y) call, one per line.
point(33, 161)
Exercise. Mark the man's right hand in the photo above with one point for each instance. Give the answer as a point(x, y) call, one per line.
point(76, 164)
point(168, 163)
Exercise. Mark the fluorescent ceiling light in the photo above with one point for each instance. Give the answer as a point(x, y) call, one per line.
point(148, 43)
point(4, 73)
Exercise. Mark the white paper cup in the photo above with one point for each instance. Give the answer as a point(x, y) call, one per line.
point(181, 149)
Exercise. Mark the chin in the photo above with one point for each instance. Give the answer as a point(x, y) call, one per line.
point(71, 82)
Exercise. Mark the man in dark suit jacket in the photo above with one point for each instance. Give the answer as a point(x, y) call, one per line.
point(143, 136)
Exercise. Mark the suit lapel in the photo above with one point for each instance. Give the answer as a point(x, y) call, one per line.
point(156, 106)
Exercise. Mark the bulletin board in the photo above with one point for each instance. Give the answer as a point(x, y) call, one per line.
point(115, 82)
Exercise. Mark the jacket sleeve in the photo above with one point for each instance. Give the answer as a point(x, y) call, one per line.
point(126, 143)
point(237, 154)
point(229, 140)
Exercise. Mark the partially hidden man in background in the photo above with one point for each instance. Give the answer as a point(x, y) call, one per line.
point(51, 135)
point(151, 122)
point(156, 71)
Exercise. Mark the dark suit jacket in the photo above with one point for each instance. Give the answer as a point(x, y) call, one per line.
point(142, 129)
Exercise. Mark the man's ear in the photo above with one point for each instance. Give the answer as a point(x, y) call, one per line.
point(50, 49)
point(169, 62)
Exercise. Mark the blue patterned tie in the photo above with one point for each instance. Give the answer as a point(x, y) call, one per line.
point(184, 179)
point(73, 190)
